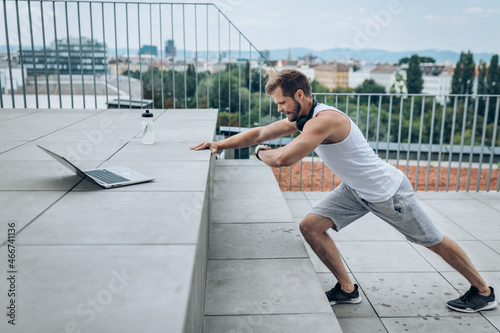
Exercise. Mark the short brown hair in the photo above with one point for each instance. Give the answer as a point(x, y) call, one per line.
point(290, 80)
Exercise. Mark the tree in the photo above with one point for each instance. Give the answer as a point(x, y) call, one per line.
point(414, 81)
point(463, 77)
point(493, 85)
point(317, 87)
point(371, 87)
point(482, 86)
point(405, 60)
point(457, 76)
point(493, 77)
point(468, 73)
point(398, 86)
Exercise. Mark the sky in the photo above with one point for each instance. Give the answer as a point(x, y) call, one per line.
point(393, 25)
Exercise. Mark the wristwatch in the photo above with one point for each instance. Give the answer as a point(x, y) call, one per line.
point(257, 150)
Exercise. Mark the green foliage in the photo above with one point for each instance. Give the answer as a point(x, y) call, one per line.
point(463, 77)
point(242, 102)
point(406, 60)
point(399, 130)
point(493, 77)
point(482, 87)
point(343, 90)
point(414, 81)
point(318, 87)
point(398, 86)
point(370, 86)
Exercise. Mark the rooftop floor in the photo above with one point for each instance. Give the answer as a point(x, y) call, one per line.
point(404, 286)
point(84, 259)
point(84, 262)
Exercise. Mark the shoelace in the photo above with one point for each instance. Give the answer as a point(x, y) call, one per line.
point(333, 291)
point(470, 294)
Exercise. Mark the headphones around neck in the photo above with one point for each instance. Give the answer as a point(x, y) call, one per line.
point(303, 120)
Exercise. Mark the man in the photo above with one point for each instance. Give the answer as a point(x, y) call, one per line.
point(368, 185)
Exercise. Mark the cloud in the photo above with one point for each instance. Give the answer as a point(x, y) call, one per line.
point(480, 10)
point(473, 10)
point(431, 17)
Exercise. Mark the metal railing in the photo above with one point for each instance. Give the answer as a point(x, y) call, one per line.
point(171, 55)
point(442, 143)
point(54, 57)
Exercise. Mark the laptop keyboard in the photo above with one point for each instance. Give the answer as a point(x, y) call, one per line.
point(106, 176)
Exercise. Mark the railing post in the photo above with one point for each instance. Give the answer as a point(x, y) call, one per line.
point(128, 58)
point(492, 154)
point(161, 61)
point(462, 137)
point(45, 54)
point(483, 138)
point(8, 54)
point(422, 111)
point(105, 49)
point(69, 55)
point(431, 136)
point(441, 140)
point(93, 54)
point(20, 57)
point(81, 62)
point(116, 57)
point(473, 133)
point(57, 55)
point(140, 52)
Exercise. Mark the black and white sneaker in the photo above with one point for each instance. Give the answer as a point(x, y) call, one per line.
point(473, 301)
point(337, 296)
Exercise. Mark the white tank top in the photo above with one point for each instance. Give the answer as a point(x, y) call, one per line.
point(357, 165)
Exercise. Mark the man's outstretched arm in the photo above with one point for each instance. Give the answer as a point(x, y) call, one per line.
point(251, 137)
point(315, 132)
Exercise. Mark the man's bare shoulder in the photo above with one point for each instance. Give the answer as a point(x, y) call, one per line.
point(337, 124)
point(332, 117)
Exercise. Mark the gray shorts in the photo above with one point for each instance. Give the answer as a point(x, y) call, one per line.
point(343, 206)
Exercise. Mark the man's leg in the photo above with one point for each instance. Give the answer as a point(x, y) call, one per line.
point(314, 228)
point(456, 258)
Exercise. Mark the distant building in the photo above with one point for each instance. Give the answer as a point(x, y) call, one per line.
point(266, 54)
point(278, 65)
point(149, 49)
point(332, 75)
point(437, 81)
point(124, 65)
point(76, 58)
point(170, 50)
point(434, 82)
point(385, 75)
point(17, 79)
point(311, 59)
point(358, 75)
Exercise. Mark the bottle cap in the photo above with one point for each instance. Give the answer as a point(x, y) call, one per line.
point(147, 114)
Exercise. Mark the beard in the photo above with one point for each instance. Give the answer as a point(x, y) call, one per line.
point(294, 115)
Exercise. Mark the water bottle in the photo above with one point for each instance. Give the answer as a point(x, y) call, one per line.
point(148, 134)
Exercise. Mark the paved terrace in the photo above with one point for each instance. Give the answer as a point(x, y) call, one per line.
point(136, 259)
point(405, 286)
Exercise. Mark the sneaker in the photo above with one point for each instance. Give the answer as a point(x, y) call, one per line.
point(337, 296)
point(473, 301)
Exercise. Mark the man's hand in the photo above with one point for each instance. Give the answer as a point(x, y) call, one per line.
point(259, 148)
point(213, 146)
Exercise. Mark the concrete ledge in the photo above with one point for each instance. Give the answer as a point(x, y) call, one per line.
point(129, 259)
point(259, 275)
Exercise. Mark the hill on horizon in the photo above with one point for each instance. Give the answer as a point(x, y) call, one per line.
point(363, 55)
point(375, 55)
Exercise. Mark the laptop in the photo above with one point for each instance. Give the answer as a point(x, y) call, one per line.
point(105, 178)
